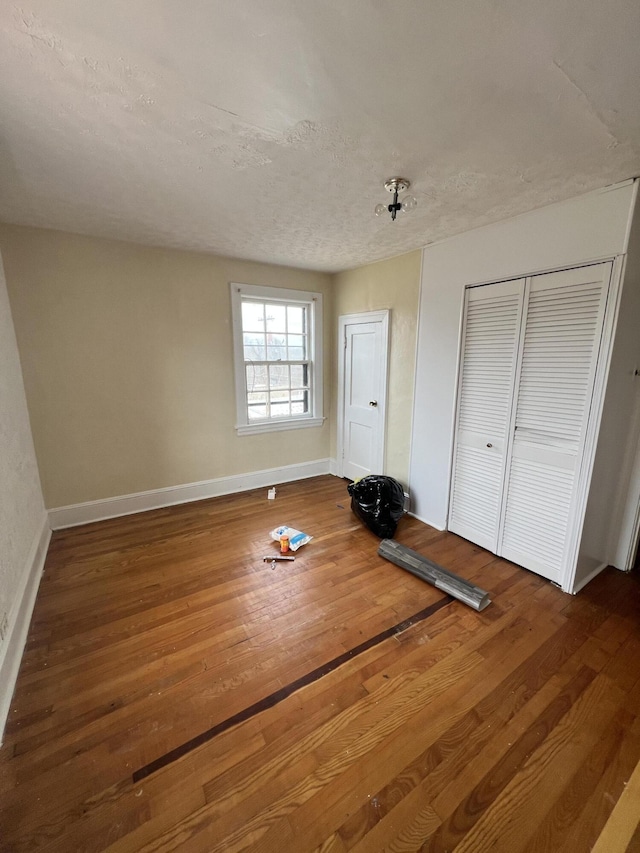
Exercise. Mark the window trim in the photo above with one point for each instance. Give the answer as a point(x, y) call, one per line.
point(277, 294)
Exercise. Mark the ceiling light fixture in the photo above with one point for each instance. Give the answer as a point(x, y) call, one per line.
point(395, 186)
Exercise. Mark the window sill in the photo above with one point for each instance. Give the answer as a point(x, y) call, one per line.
point(278, 426)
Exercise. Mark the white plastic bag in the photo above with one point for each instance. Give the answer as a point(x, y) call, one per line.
point(296, 537)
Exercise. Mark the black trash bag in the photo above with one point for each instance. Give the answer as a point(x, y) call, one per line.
point(379, 502)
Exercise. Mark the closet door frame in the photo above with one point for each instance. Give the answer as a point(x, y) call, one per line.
point(586, 458)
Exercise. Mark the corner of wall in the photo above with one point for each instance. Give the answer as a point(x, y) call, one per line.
point(19, 618)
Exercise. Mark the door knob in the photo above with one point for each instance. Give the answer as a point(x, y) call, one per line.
point(373, 403)
point(489, 445)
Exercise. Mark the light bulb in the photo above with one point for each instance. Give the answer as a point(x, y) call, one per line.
point(408, 203)
point(380, 210)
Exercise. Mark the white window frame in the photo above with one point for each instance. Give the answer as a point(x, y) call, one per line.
point(313, 302)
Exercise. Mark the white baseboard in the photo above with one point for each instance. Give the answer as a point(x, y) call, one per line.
point(85, 513)
point(424, 521)
point(333, 467)
point(19, 619)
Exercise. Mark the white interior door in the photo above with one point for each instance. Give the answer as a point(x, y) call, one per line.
point(362, 394)
point(560, 347)
point(492, 321)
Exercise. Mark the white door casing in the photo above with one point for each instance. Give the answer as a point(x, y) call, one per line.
point(362, 392)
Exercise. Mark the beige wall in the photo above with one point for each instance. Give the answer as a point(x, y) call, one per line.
point(127, 360)
point(22, 513)
point(392, 284)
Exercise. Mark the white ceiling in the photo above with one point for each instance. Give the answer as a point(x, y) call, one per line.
point(264, 129)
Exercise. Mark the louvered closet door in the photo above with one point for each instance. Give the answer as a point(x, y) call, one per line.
point(564, 320)
point(491, 328)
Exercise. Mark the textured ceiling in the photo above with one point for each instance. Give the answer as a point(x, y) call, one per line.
point(264, 129)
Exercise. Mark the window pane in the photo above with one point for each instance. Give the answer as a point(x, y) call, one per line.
point(278, 376)
point(256, 412)
point(276, 316)
point(252, 317)
point(276, 350)
point(299, 402)
point(298, 375)
point(296, 319)
point(257, 406)
point(296, 343)
point(296, 354)
point(280, 407)
point(253, 346)
point(256, 377)
point(279, 396)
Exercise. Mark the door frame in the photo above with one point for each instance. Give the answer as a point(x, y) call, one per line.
point(345, 320)
point(624, 550)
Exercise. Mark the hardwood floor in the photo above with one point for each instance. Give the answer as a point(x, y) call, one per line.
point(179, 693)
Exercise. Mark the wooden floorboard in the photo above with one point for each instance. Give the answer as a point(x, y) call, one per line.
point(179, 693)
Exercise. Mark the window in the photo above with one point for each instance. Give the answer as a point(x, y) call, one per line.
point(278, 358)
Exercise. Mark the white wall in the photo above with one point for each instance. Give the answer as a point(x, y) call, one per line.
point(615, 486)
point(23, 527)
point(588, 228)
